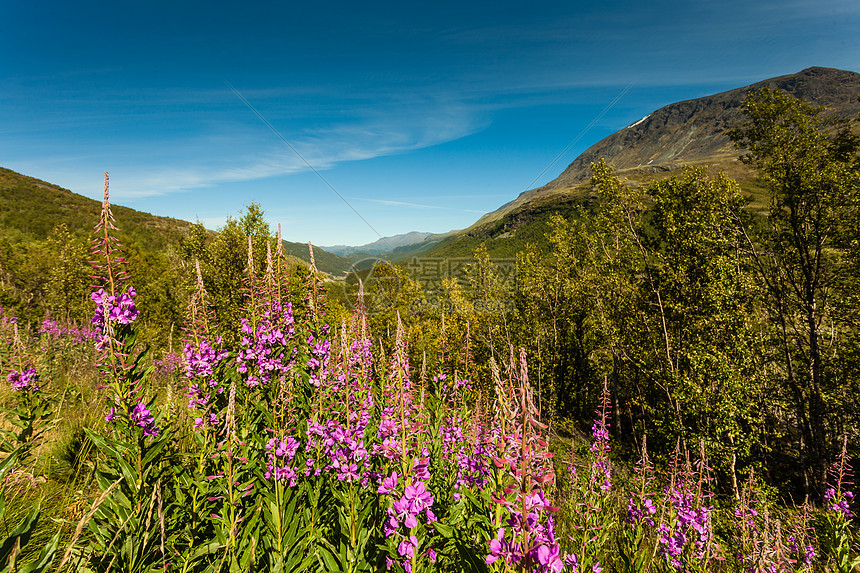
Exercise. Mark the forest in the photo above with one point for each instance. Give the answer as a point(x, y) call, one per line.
point(666, 380)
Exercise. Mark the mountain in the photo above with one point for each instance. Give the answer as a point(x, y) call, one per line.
point(383, 245)
point(692, 132)
point(30, 208)
point(325, 261)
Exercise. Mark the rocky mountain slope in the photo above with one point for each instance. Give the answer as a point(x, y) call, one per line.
point(695, 130)
point(688, 132)
point(692, 132)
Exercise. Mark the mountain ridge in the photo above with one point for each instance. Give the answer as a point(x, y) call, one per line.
point(713, 115)
point(688, 132)
point(381, 245)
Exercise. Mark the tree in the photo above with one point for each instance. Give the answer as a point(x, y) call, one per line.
point(555, 305)
point(68, 280)
point(225, 263)
point(812, 172)
point(677, 309)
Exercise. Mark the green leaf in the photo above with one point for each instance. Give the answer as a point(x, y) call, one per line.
point(209, 549)
point(46, 557)
point(330, 562)
point(22, 532)
point(154, 448)
point(6, 464)
point(444, 530)
point(274, 516)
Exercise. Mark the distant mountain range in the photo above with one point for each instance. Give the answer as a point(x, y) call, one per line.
point(383, 245)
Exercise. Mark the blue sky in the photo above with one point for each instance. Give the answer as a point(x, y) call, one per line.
point(423, 116)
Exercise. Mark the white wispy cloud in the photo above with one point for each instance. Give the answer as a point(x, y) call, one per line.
point(246, 152)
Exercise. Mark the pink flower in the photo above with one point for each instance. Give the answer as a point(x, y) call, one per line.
point(498, 547)
point(407, 547)
point(549, 557)
point(24, 380)
point(389, 484)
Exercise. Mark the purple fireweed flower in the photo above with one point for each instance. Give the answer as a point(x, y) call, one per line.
point(419, 468)
point(343, 447)
point(267, 349)
point(279, 466)
point(748, 516)
point(500, 548)
point(601, 471)
point(407, 547)
point(50, 327)
point(415, 499)
point(141, 416)
point(548, 556)
point(600, 433)
point(390, 526)
point(72, 332)
point(804, 556)
point(201, 421)
point(673, 542)
point(841, 506)
point(201, 360)
point(120, 309)
point(840, 501)
point(689, 528)
point(389, 484)
point(542, 549)
point(467, 384)
point(636, 514)
point(649, 506)
point(110, 310)
point(401, 510)
point(24, 380)
point(346, 472)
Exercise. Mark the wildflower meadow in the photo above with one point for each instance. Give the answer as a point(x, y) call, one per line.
point(297, 444)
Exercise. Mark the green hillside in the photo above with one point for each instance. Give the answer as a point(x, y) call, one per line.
point(30, 208)
point(45, 269)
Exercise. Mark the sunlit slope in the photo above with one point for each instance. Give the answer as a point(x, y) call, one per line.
point(692, 132)
point(30, 208)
